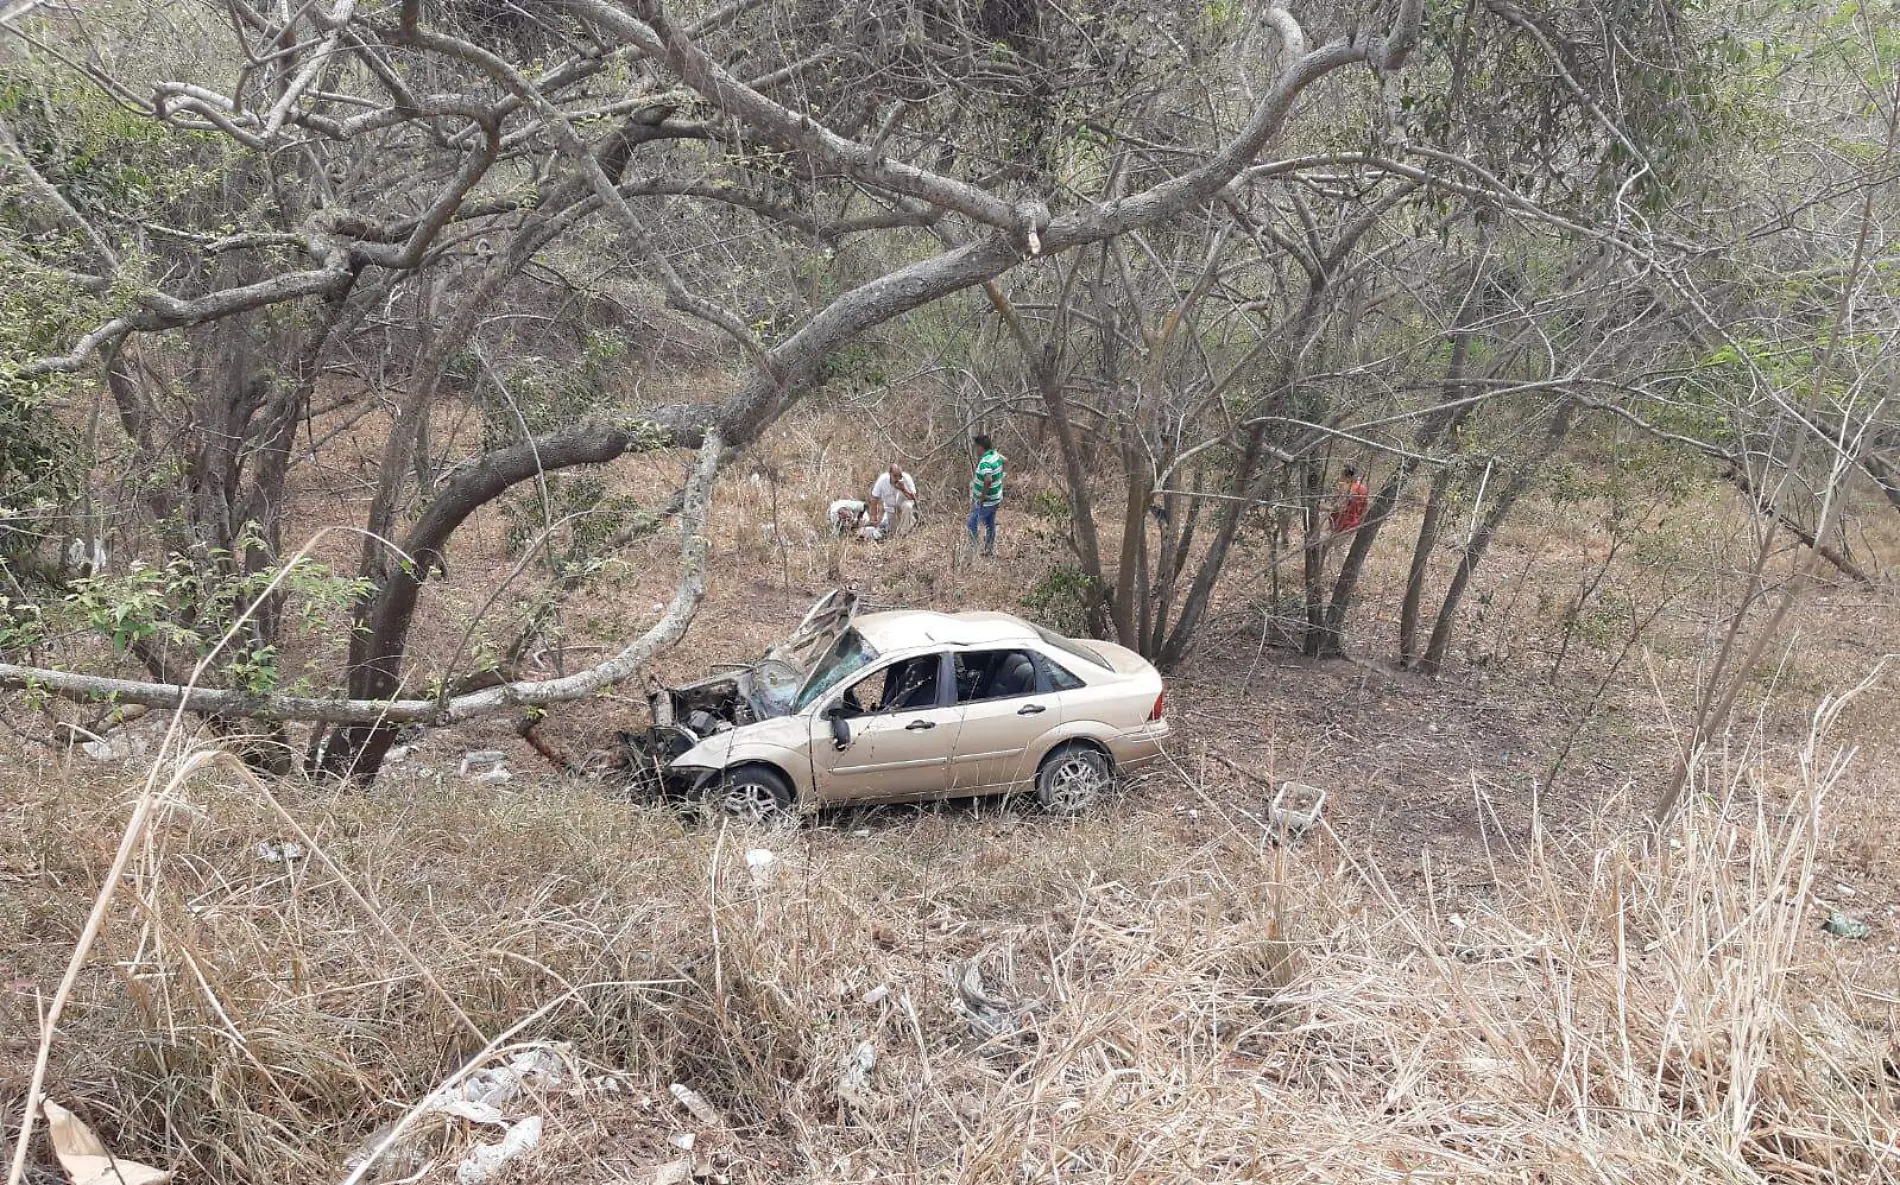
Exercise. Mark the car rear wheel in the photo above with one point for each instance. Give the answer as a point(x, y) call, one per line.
point(1073, 779)
point(751, 794)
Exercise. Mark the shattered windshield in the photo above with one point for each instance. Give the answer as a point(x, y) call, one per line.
point(849, 653)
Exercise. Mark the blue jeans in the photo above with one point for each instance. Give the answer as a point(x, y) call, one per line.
point(987, 516)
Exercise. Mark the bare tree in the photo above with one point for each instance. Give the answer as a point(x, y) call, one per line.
point(394, 147)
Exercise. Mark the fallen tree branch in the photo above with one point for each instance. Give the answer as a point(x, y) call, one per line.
point(447, 710)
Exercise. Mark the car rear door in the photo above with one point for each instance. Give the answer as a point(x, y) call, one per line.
point(1007, 707)
point(903, 726)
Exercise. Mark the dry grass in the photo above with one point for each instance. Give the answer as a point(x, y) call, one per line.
point(1629, 1007)
point(1466, 981)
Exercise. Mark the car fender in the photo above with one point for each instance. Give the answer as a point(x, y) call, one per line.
point(794, 765)
point(1072, 730)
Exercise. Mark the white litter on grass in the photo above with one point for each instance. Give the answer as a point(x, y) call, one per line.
point(877, 994)
point(85, 1158)
point(476, 759)
point(697, 1106)
point(760, 861)
point(485, 1160)
point(854, 1085)
point(491, 1097)
point(684, 1141)
point(121, 746)
point(280, 853)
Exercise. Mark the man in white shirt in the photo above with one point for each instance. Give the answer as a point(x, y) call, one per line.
point(893, 501)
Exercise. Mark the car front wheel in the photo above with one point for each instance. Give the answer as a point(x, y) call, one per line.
point(1073, 779)
point(751, 794)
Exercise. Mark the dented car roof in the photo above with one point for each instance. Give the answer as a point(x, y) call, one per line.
point(905, 628)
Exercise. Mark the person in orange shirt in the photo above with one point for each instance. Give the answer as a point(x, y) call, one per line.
point(1350, 501)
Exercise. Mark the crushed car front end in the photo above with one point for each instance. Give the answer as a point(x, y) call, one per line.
point(693, 724)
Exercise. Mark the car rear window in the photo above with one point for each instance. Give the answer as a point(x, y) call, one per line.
point(1072, 647)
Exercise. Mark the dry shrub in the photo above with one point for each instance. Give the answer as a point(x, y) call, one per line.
point(1194, 1007)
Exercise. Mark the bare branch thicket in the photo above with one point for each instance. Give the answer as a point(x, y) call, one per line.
point(394, 158)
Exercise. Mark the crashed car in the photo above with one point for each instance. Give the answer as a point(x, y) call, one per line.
point(904, 706)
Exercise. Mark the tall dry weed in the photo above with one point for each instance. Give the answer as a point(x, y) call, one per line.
point(1189, 1006)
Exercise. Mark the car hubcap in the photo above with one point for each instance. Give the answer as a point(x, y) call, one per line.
point(1075, 783)
point(751, 801)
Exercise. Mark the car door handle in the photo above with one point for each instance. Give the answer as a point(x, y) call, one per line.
point(1030, 709)
point(919, 725)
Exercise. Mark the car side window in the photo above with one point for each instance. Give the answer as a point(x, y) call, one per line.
point(1059, 678)
point(905, 686)
point(995, 674)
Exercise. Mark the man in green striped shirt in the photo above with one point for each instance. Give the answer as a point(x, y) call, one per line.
point(986, 492)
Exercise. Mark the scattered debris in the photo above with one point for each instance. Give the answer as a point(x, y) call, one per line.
point(281, 852)
point(486, 1098)
point(760, 861)
point(84, 1156)
point(697, 1106)
point(398, 754)
point(994, 1018)
point(1845, 890)
point(854, 1085)
point(678, 1172)
point(485, 1160)
point(1296, 806)
point(120, 746)
point(877, 994)
point(1841, 925)
point(485, 766)
point(684, 1141)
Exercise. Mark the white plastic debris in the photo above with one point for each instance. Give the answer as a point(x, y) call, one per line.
point(877, 994)
point(280, 853)
point(495, 1096)
point(485, 1160)
point(398, 754)
point(120, 746)
point(697, 1106)
point(854, 1085)
point(493, 777)
point(1296, 806)
point(84, 1156)
point(478, 760)
point(760, 861)
point(684, 1141)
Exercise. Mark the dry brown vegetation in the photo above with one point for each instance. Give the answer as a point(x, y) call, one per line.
point(1467, 976)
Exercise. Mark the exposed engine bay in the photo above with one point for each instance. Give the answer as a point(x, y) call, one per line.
point(740, 694)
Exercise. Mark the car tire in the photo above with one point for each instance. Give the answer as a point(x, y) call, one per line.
point(1073, 779)
point(750, 794)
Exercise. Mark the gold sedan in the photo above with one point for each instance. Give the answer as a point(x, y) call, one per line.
point(912, 705)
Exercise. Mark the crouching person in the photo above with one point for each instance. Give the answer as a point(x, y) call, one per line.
point(894, 501)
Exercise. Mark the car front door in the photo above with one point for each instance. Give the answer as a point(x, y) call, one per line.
point(903, 726)
point(1007, 707)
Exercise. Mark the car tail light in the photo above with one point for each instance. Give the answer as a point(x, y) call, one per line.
point(1161, 706)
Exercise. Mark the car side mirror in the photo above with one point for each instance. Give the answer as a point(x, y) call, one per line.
point(840, 727)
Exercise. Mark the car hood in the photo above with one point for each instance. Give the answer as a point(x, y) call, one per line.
point(827, 620)
point(786, 732)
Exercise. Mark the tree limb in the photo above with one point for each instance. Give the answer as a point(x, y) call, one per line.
point(625, 664)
